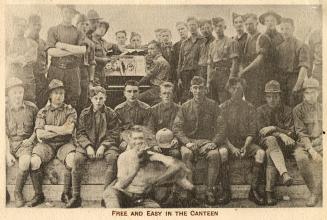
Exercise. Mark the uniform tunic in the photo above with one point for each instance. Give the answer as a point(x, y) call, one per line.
point(203, 59)
point(164, 115)
point(241, 44)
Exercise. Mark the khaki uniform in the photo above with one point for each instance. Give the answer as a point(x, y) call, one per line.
point(203, 60)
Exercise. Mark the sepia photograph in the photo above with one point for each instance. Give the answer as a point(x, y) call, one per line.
point(163, 106)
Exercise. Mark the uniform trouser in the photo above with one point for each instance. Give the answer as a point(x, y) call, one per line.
point(84, 97)
point(71, 80)
point(287, 82)
point(151, 96)
point(184, 92)
point(114, 198)
point(217, 84)
point(275, 161)
point(213, 164)
point(310, 170)
point(254, 91)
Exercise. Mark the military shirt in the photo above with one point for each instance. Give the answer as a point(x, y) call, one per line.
point(241, 40)
point(196, 120)
point(203, 60)
point(158, 71)
point(308, 120)
point(20, 123)
point(280, 117)
point(222, 50)
point(164, 115)
point(139, 114)
point(292, 55)
point(190, 53)
point(236, 122)
point(98, 128)
point(276, 39)
point(57, 116)
point(65, 34)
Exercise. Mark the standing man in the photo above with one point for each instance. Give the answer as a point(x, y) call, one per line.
point(54, 127)
point(87, 64)
point(293, 63)
point(241, 36)
point(157, 73)
point(195, 127)
point(121, 38)
point(21, 55)
point(157, 33)
point(97, 136)
point(238, 128)
point(255, 62)
point(275, 125)
point(189, 58)
point(206, 31)
point(40, 67)
point(223, 62)
point(309, 150)
point(64, 42)
point(20, 135)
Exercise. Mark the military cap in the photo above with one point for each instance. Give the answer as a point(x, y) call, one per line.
point(197, 80)
point(13, 82)
point(164, 137)
point(311, 83)
point(72, 7)
point(55, 84)
point(272, 86)
point(250, 15)
point(217, 20)
point(235, 15)
point(81, 18)
point(287, 20)
point(96, 90)
point(272, 13)
point(234, 80)
point(93, 15)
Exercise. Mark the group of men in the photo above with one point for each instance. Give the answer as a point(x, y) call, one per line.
point(235, 95)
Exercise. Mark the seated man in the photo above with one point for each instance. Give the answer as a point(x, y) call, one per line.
point(133, 111)
point(97, 134)
point(20, 135)
point(275, 124)
point(308, 127)
point(54, 128)
point(156, 73)
point(237, 127)
point(195, 127)
point(138, 171)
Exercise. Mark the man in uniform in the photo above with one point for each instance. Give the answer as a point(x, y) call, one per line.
point(64, 42)
point(195, 127)
point(222, 62)
point(40, 67)
point(97, 136)
point(135, 182)
point(54, 126)
point(309, 150)
point(20, 135)
point(133, 111)
point(157, 33)
point(255, 61)
point(189, 58)
point(241, 36)
point(21, 55)
point(293, 63)
point(237, 128)
point(206, 31)
point(275, 125)
point(93, 21)
point(157, 73)
point(87, 64)
point(121, 38)
point(167, 51)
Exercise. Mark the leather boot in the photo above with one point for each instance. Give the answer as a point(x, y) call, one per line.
point(271, 177)
point(254, 194)
point(18, 193)
point(271, 199)
point(76, 200)
point(67, 193)
point(225, 184)
point(287, 179)
point(37, 178)
point(210, 196)
point(312, 201)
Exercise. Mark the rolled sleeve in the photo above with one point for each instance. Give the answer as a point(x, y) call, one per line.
point(40, 120)
point(72, 115)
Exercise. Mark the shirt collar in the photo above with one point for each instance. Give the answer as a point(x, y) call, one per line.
point(137, 103)
point(100, 110)
point(53, 108)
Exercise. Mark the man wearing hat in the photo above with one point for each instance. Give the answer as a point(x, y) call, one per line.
point(223, 62)
point(255, 59)
point(21, 54)
point(54, 126)
point(293, 63)
point(64, 42)
point(237, 129)
point(241, 36)
point(20, 135)
point(309, 150)
point(189, 58)
point(93, 21)
point(206, 31)
point(97, 136)
point(195, 127)
point(40, 67)
point(275, 125)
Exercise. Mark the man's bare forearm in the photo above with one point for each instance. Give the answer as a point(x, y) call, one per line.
point(255, 63)
point(56, 52)
point(60, 130)
point(45, 135)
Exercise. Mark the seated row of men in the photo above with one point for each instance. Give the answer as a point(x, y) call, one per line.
point(200, 128)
